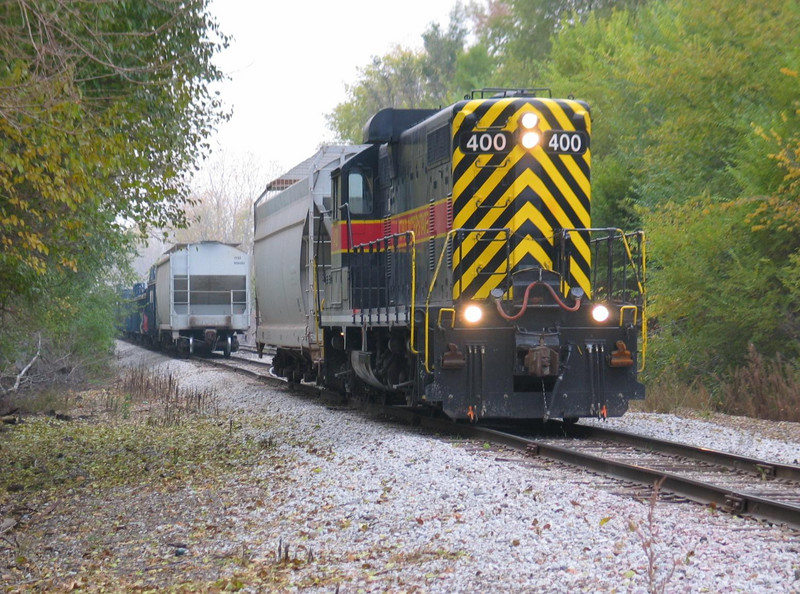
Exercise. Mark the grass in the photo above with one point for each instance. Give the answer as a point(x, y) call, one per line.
point(668, 394)
point(762, 388)
point(143, 435)
point(145, 427)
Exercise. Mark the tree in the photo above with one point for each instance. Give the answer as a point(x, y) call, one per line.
point(519, 33)
point(395, 80)
point(713, 290)
point(440, 60)
point(103, 106)
point(694, 111)
point(710, 74)
point(222, 208)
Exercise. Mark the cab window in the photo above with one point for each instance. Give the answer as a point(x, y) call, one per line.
point(358, 193)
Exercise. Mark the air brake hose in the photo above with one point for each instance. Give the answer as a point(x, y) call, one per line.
point(522, 311)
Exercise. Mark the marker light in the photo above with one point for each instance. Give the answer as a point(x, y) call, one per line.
point(529, 120)
point(600, 313)
point(473, 314)
point(530, 140)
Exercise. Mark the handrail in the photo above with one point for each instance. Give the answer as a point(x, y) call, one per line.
point(411, 243)
point(447, 240)
point(640, 275)
point(639, 271)
point(413, 290)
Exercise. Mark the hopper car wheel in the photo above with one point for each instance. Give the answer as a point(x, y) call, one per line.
point(183, 348)
point(226, 349)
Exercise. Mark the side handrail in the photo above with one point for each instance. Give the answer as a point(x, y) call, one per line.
point(411, 242)
point(639, 271)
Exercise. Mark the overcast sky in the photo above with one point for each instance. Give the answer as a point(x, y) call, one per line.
point(289, 61)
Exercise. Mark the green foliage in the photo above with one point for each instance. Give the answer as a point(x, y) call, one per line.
point(678, 90)
point(474, 69)
point(713, 292)
point(698, 100)
point(69, 319)
point(520, 33)
point(104, 106)
point(440, 59)
point(394, 80)
point(710, 73)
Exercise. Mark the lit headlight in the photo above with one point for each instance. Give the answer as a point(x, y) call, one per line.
point(529, 120)
point(600, 313)
point(473, 314)
point(530, 139)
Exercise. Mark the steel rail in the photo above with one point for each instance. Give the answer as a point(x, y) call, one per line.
point(728, 500)
point(743, 463)
point(721, 498)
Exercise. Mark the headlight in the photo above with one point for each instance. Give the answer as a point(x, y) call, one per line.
point(529, 120)
point(600, 313)
point(473, 314)
point(530, 139)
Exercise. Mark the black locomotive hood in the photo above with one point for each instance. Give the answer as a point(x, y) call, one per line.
point(389, 123)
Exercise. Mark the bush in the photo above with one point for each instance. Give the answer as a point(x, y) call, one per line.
point(766, 388)
point(714, 290)
point(64, 339)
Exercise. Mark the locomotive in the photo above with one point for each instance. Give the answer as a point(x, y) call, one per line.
point(449, 262)
point(197, 299)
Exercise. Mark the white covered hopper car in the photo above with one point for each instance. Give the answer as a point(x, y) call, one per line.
point(291, 216)
point(197, 299)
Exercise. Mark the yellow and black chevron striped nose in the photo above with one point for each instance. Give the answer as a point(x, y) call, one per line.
point(509, 202)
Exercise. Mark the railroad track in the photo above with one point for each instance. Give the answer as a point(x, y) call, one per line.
point(727, 482)
point(735, 484)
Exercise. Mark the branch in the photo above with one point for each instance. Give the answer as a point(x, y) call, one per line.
point(28, 366)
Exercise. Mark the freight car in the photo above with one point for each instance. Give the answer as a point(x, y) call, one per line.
point(197, 298)
point(449, 261)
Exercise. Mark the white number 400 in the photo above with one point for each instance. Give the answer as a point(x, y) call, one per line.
point(566, 142)
point(486, 142)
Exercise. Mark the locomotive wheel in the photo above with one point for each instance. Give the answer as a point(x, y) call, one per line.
point(226, 349)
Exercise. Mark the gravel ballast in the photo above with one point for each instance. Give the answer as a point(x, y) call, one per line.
point(369, 506)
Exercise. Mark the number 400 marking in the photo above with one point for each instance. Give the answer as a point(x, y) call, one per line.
point(573, 143)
